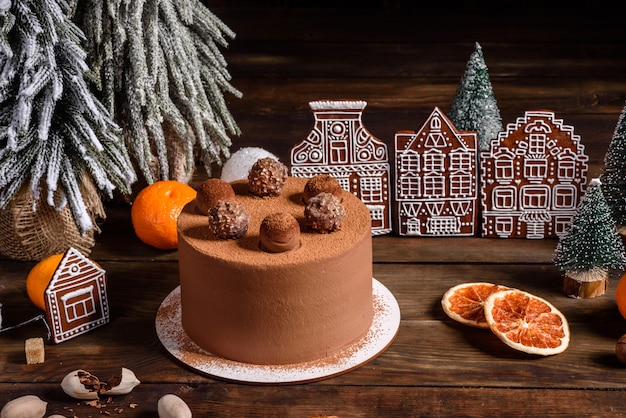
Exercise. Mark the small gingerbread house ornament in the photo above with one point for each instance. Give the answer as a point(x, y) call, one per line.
point(436, 180)
point(76, 297)
point(532, 178)
point(341, 146)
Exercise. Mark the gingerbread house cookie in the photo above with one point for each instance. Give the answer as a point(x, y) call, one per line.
point(76, 297)
point(340, 145)
point(532, 178)
point(436, 180)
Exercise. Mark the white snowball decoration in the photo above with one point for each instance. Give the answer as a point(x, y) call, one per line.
point(240, 163)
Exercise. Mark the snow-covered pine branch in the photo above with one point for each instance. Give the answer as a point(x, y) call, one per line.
point(158, 68)
point(56, 130)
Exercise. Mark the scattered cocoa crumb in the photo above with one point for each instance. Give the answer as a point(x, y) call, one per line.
point(95, 403)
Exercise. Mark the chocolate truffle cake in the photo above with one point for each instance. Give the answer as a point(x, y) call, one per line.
point(244, 302)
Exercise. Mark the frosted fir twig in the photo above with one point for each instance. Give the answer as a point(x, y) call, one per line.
point(613, 175)
point(56, 130)
point(474, 106)
point(157, 64)
point(592, 241)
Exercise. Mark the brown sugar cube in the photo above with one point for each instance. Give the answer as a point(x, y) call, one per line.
point(35, 352)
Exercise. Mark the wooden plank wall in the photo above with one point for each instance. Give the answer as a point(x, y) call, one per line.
point(404, 60)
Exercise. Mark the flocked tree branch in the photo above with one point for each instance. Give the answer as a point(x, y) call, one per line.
point(613, 174)
point(591, 242)
point(158, 67)
point(53, 129)
point(474, 107)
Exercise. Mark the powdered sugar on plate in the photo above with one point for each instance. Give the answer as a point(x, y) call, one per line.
point(383, 330)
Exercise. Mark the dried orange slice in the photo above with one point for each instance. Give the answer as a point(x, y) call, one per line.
point(527, 322)
point(464, 302)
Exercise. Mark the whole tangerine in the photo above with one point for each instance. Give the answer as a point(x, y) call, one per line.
point(620, 296)
point(155, 211)
point(39, 277)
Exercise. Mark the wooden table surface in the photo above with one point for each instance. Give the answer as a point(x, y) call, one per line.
point(403, 61)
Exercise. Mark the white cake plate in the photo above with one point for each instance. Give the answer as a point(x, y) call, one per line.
point(383, 330)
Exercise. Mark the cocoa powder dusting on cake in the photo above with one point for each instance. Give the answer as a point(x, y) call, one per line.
point(312, 242)
point(246, 252)
point(267, 177)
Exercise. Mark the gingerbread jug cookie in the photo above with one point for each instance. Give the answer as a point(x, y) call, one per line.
point(341, 146)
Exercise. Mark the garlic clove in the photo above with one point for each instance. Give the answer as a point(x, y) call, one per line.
point(81, 384)
point(27, 406)
point(171, 406)
point(121, 385)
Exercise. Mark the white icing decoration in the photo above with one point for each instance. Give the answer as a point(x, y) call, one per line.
point(338, 105)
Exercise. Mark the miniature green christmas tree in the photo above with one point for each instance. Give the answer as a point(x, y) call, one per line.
point(590, 248)
point(474, 106)
point(158, 68)
point(56, 139)
point(613, 174)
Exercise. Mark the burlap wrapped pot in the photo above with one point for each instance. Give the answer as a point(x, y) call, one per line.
point(33, 232)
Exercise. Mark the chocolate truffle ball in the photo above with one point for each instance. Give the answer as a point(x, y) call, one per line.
point(324, 213)
point(228, 219)
point(279, 232)
point(267, 177)
point(322, 183)
point(212, 191)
